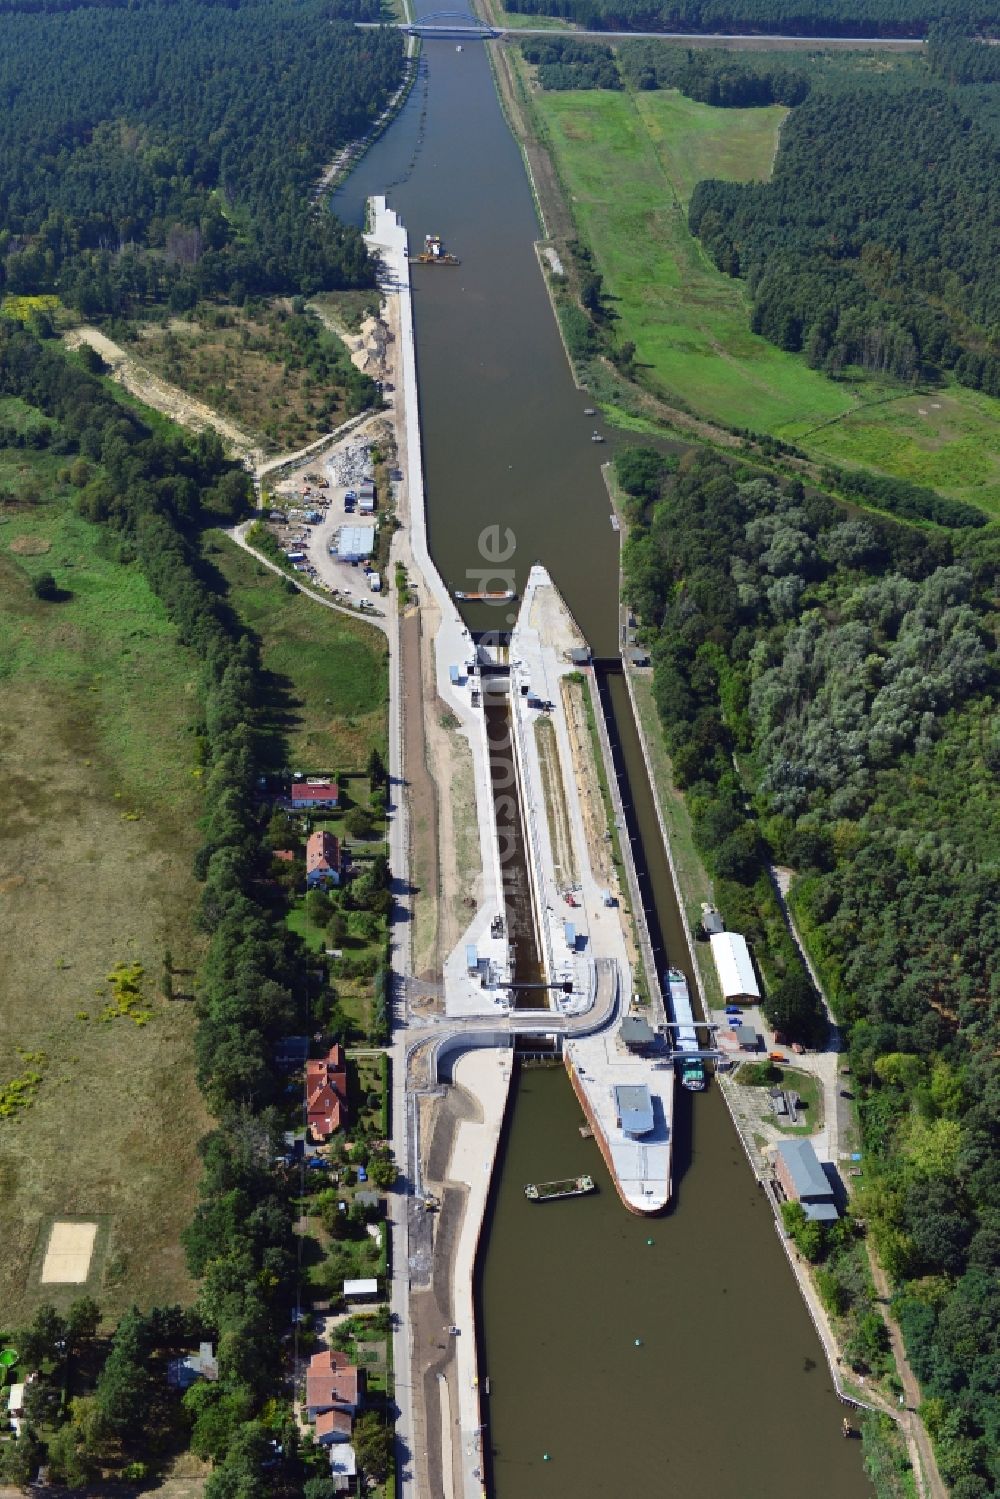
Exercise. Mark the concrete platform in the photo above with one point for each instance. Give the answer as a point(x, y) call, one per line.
point(641, 1168)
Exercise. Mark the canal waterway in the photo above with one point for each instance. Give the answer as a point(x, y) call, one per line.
point(727, 1392)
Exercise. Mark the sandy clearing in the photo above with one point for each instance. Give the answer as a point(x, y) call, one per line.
point(67, 1258)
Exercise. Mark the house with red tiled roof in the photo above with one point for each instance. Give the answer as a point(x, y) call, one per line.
point(323, 862)
point(314, 793)
point(326, 1093)
point(333, 1383)
point(334, 1426)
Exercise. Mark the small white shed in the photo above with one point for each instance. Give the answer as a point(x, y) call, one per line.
point(356, 1290)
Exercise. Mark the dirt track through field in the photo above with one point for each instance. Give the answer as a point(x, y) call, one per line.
point(162, 396)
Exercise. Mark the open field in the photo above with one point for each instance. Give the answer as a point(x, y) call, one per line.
point(947, 438)
point(278, 375)
point(689, 323)
point(328, 672)
point(628, 162)
point(99, 1113)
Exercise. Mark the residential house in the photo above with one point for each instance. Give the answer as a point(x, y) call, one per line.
point(184, 1372)
point(326, 1093)
point(333, 1383)
point(334, 1426)
point(323, 859)
point(315, 792)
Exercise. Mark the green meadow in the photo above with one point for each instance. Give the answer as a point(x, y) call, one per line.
point(629, 163)
point(327, 674)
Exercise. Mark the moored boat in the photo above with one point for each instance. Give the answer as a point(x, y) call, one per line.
point(434, 252)
point(498, 596)
point(685, 1036)
point(575, 1186)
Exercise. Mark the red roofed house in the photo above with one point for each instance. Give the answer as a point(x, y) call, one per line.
point(315, 793)
point(326, 1093)
point(334, 1426)
point(333, 1384)
point(322, 859)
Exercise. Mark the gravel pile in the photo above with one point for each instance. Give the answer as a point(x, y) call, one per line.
point(349, 467)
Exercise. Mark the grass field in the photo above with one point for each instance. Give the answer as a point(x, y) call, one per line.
point(629, 162)
point(329, 673)
point(689, 323)
point(948, 438)
point(98, 807)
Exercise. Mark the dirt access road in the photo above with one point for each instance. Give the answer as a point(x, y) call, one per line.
point(162, 396)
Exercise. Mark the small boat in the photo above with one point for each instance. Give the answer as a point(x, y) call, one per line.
point(589, 411)
point(576, 1186)
point(615, 526)
point(596, 437)
point(499, 596)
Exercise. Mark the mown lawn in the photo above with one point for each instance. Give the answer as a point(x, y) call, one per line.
point(99, 801)
point(630, 162)
point(329, 674)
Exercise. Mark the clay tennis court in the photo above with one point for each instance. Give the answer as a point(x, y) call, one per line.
point(67, 1258)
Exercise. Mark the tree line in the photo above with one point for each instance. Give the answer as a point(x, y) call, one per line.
point(883, 18)
point(152, 491)
point(848, 666)
point(727, 80)
point(874, 243)
point(170, 153)
point(712, 77)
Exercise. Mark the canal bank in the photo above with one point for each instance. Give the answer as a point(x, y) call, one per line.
point(728, 1352)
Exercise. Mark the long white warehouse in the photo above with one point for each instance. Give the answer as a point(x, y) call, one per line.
point(734, 966)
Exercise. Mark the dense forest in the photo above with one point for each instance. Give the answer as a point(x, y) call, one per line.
point(728, 80)
point(874, 242)
point(170, 153)
point(842, 670)
point(152, 491)
point(567, 64)
point(788, 17)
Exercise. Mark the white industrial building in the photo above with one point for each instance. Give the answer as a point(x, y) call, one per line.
point(734, 967)
point(355, 543)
